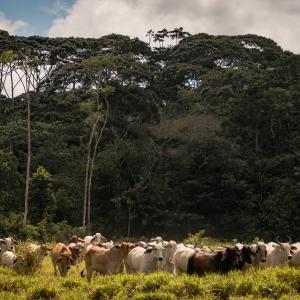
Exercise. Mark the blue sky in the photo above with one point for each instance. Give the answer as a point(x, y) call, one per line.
point(38, 14)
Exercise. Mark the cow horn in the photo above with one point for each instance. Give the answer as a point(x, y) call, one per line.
point(277, 239)
point(290, 239)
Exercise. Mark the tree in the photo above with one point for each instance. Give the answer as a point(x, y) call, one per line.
point(42, 199)
point(149, 34)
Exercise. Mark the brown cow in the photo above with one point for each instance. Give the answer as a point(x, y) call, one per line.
point(61, 258)
point(217, 262)
point(75, 239)
point(106, 261)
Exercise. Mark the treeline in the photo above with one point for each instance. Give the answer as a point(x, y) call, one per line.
point(130, 141)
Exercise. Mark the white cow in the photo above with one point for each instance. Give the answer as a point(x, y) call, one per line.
point(295, 261)
point(169, 249)
point(97, 238)
point(143, 260)
point(180, 258)
point(157, 239)
point(259, 255)
point(278, 254)
point(107, 245)
point(8, 244)
point(11, 260)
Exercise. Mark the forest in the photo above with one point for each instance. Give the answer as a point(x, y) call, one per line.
point(118, 136)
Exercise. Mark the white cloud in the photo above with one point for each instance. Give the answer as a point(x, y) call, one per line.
point(57, 8)
point(276, 19)
point(13, 27)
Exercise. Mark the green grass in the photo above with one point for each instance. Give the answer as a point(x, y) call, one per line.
point(262, 284)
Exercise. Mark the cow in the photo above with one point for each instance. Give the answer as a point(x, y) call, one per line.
point(106, 245)
point(295, 261)
point(61, 257)
point(141, 260)
point(169, 249)
point(96, 238)
point(246, 256)
point(77, 250)
point(260, 256)
point(8, 244)
point(180, 259)
point(75, 239)
point(278, 254)
point(142, 244)
point(11, 260)
point(105, 261)
point(37, 252)
point(217, 262)
point(157, 239)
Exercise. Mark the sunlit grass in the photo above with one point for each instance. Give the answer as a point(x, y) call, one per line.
point(269, 283)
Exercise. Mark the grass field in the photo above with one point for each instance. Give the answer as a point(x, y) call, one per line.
point(263, 284)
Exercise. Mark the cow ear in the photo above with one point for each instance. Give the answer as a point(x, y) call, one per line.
point(3, 242)
point(148, 250)
point(14, 241)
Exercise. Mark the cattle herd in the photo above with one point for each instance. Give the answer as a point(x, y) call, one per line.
point(105, 257)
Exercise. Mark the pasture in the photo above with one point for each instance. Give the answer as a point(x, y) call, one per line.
point(262, 284)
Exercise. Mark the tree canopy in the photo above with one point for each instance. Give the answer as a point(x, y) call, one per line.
point(202, 134)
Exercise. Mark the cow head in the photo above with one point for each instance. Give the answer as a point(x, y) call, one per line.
point(259, 251)
point(286, 249)
point(98, 238)
point(247, 254)
point(155, 252)
point(7, 244)
point(44, 249)
point(19, 260)
point(232, 256)
point(123, 249)
point(64, 263)
point(169, 249)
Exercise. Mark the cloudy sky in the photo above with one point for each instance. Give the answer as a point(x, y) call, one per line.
point(277, 19)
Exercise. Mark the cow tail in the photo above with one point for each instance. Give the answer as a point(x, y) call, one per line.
point(190, 266)
point(82, 273)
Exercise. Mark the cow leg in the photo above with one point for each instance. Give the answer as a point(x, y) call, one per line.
point(177, 271)
point(54, 266)
point(89, 274)
point(55, 269)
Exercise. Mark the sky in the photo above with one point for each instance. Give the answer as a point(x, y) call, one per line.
point(276, 19)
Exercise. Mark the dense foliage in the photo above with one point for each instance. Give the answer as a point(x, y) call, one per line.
point(201, 135)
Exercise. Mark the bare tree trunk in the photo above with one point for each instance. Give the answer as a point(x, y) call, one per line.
point(87, 171)
point(92, 165)
point(28, 157)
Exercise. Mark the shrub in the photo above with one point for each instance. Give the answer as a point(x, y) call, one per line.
point(43, 293)
point(154, 296)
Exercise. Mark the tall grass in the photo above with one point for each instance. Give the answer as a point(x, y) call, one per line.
point(263, 284)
